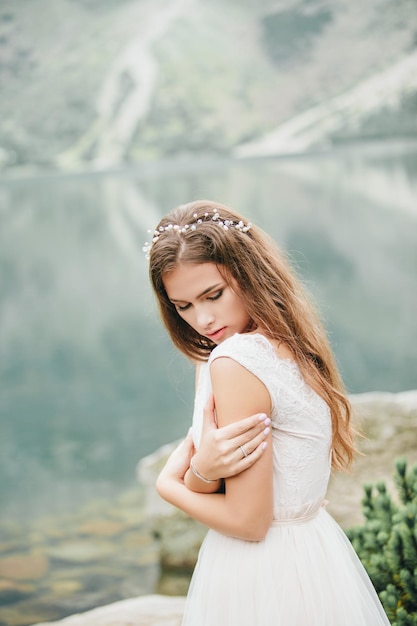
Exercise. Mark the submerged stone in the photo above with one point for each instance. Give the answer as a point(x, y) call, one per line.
point(81, 551)
point(12, 591)
point(102, 528)
point(30, 566)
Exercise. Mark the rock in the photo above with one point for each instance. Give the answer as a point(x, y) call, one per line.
point(154, 610)
point(30, 566)
point(20, 614)
point(102, 528)
point(180, 538)
point(147, 471)
point(389, 423)
point(62, 588)
point(81, 551)
point(139, 539)
point(11, 591)
point(173, 585)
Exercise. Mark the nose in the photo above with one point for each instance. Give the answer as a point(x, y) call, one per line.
point(204, 317)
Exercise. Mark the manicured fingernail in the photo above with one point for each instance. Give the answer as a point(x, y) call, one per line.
point(267, 421)
point(262, 417)
point(266, 431)
point(264, 445)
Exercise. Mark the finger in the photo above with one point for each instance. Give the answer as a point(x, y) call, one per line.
point(255, 435)
point(251, 440)
point(243, 426)
point(247, 461)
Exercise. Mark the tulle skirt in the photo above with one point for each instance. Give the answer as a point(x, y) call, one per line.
point(301, 574)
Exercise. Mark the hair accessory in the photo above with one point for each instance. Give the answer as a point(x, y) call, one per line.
point(225, 224)
point(198, 475)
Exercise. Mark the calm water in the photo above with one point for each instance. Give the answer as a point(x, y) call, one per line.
point(90, 383)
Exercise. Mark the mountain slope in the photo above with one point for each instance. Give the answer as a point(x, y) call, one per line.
point(91, 85)
point(384, 105)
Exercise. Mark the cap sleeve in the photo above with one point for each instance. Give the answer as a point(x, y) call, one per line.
point(254, 352)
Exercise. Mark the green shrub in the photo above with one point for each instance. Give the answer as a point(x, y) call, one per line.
point(387, 544)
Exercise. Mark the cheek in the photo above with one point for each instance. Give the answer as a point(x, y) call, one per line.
point(238, 303)
point(244, 313)
point(239, 308)
point(183, 316)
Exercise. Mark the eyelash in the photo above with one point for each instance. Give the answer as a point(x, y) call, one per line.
point(211, 298)
point(216, 296)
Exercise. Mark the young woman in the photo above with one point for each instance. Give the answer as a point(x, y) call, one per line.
point(273, 556)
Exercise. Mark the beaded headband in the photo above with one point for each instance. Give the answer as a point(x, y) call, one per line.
point(225, 224)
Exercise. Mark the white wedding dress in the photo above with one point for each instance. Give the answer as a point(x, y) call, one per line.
point(305, 572)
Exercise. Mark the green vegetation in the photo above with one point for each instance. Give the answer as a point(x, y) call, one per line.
point(387, 544)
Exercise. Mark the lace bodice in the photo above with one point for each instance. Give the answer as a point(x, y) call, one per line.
point(301, 423)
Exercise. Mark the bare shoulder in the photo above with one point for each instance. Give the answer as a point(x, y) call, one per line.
point(238, 393)
point(225, 367)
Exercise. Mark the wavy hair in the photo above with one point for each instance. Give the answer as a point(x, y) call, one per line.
point(274, 299)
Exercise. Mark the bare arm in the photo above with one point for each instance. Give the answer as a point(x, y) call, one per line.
point(221, 452)
point(245, 509)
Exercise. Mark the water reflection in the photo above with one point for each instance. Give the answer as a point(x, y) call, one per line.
point(89, 381)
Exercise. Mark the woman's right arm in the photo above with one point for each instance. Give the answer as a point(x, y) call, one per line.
point(244, 510)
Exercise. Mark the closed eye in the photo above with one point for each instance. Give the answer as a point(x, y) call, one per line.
point(216, 295)
point(183, 308)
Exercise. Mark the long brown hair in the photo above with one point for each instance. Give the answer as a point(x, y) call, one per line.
point(273, 296)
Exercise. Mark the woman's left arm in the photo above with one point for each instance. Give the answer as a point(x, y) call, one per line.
point(226, 451)
point(245, 509)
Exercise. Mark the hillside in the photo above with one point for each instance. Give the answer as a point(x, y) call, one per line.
point(89, 84)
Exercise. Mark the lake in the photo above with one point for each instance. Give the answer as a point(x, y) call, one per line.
point(90, 383)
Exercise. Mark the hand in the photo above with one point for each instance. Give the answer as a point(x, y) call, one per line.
point(220, 454)
point(179, 460)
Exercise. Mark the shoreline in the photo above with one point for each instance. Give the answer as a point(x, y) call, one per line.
point(111, 550)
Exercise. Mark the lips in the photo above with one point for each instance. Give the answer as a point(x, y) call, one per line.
point(217, 335)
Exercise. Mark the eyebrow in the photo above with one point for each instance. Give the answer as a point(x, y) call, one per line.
point(203, 293)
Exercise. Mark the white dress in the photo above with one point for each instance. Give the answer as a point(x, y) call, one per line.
point(305, 572)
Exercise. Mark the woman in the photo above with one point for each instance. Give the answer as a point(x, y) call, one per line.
point(273, 556)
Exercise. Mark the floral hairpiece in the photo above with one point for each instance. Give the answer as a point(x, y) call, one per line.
point(225, 224)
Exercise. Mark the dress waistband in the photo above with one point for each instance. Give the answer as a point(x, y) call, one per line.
point(276, 523)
